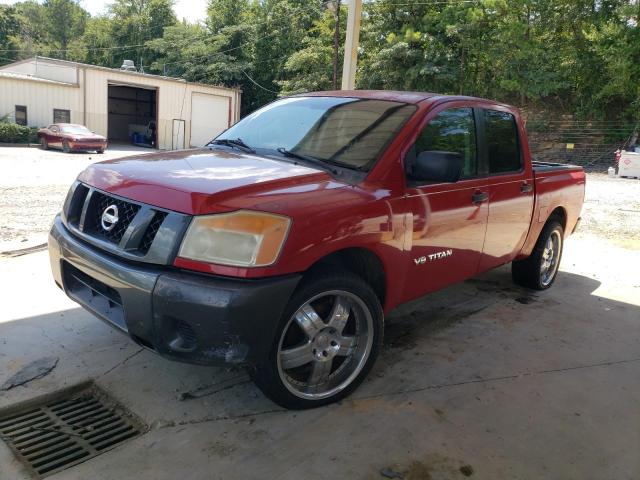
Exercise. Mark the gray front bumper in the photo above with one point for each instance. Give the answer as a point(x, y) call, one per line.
point(185, 316)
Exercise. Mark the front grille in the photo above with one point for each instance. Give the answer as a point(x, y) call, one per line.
point(98, 204)
point(94, 294)
point(67, 430)
point(133, 234)
point(150, 233)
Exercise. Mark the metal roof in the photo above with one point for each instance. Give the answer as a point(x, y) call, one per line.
point(25, 76)
point(117, 70)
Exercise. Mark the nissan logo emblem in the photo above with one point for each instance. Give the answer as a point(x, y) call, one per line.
point(109, 218)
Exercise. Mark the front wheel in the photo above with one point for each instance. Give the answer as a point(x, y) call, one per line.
point(326, 342)
point(43, 144)
point(540, 269)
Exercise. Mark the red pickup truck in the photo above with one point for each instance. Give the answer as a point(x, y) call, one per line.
point(283, 243)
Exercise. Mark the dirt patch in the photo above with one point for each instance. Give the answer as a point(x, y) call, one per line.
point(28, 211)
point(612, 210)
point(434, 466)
point(33, 187)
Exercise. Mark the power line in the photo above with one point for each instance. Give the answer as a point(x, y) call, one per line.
point(410, 4)
point(92, 49)
point(258, 85)
point(195, 79)
point(131, 47)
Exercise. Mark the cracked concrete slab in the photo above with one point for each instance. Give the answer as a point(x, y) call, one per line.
point(33, 370)
point(485, 374)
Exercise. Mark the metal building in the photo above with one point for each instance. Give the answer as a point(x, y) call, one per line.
point(116, 103)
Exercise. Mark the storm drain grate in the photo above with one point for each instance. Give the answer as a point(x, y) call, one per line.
point(67, 429)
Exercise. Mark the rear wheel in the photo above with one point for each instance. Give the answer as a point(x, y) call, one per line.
point(65, 146)
point(44, 144)
point(540, 269)
point(326, 342)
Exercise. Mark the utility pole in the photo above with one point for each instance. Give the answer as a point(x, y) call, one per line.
point(351, 45)
point(336, 44)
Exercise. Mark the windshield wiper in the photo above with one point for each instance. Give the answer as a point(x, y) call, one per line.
point(307, 158)
point(230, 142)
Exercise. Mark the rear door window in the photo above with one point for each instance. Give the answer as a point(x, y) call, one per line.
point(501, 136)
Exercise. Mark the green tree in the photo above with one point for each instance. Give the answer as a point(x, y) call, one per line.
point(135, 22)
point(9, 26)
point(98, 42)
point(65, 21)
point(311, 67)
point(281, 28)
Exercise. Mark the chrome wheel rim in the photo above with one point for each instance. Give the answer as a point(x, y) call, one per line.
point(325, 345)
point(550, 258)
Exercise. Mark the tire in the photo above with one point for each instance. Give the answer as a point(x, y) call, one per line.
point(535, 272)
point(65, 146)
point(326, 360)
point(101, 151)
point(44, 145)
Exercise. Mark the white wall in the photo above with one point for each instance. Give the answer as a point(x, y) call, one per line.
point(88, 102)
point(173, 101)
point(43, 69)
point(40, 100)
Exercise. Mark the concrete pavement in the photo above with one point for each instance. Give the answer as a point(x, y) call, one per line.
point(483, 379)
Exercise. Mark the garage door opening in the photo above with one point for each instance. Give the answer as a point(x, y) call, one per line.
point(133, 115)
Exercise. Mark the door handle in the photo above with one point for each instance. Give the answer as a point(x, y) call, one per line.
point(479, 197)
point(526, 187)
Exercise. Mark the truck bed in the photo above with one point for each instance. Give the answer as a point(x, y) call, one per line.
point(558, 187)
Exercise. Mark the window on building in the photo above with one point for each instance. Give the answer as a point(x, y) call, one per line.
point(61, 116)
point(21, 115)
point(452, 130)
point(502, 142)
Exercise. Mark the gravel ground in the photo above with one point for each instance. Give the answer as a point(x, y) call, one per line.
point(36, 182)
point(612, 210)
point(33, 186)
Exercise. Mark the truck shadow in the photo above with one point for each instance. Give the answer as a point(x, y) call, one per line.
point(488, 326)
point(482, 328)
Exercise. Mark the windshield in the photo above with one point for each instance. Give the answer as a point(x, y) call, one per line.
point(74, 129)
point(348, 131)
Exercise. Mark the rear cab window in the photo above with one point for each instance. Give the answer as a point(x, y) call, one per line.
point(501, 138)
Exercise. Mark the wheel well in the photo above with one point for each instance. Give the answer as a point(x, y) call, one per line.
point(561, 215)
point(361, 262)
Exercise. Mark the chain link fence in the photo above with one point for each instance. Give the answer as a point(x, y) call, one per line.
point(591, 144)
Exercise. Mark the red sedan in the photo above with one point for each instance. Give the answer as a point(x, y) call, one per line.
point(69, 136)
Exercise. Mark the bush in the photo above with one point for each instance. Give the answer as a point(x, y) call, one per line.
point(13, 133)
point(33, 135)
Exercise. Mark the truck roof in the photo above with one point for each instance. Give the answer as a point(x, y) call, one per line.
point(393, 95)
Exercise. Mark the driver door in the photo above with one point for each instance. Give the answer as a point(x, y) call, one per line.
point(54, 138)
point(448, 220)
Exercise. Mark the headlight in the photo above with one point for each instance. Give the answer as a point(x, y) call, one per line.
point(242, 238)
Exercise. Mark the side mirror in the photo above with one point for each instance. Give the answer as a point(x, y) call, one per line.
point(435, 166)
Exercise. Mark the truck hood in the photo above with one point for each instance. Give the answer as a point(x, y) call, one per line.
point(202, 180)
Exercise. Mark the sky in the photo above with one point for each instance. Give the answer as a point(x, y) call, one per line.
point(192, 10)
